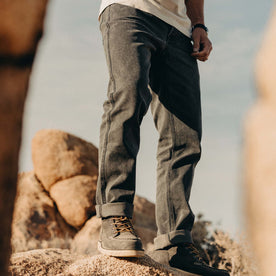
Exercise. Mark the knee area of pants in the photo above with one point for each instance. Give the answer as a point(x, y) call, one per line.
point(138, 91)
point(187, 150)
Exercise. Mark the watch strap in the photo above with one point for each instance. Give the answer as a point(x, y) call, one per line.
point(202, 26)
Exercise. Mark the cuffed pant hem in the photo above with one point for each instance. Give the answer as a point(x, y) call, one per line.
point(172, 238)
point(114, 209)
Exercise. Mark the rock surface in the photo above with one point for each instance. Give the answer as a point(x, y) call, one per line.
point(260, 158)
point(75, 198)
point(42, 225)
point(51, 209)
point(41, 262)
point(144, 221)
point(61, 262)
point(36, 221)
point(85, 241)
point(147, 236)
point(58, 155)
point(19, 36)
point(144, 213)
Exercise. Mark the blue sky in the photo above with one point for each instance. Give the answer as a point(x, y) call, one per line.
point(69, 83)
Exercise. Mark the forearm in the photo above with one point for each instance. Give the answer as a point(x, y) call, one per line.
point(202, 46)
point(195, 11)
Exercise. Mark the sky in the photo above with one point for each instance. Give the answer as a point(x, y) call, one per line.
point(69, 82)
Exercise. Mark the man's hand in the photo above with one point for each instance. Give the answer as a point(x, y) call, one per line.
point(202, 45)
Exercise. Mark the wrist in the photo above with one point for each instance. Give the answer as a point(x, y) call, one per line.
point(201, 26)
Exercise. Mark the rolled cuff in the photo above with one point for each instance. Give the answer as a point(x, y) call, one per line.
point(114, 209)
point(172, 238)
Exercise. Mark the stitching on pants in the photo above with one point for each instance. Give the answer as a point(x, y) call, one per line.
point(171, 211)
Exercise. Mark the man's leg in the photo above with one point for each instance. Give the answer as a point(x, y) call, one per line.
point(129, 41)
point(176, 110)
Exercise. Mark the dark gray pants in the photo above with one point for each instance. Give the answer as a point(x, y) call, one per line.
point(149, 62)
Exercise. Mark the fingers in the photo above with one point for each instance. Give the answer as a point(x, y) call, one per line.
point(202, 45)
point(203, 54)
point(196, 45)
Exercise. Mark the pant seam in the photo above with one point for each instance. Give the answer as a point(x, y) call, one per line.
point(172, 171)
point(171, 216)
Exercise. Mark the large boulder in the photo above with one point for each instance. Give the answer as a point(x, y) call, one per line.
point(260, 157)
point(44, 224)
point(85, 241)
point(75, 198)
point(144, 221)
point(20, 30)
point(36, 221)
point(144, 213)
point(62, 262)
point(58, 155)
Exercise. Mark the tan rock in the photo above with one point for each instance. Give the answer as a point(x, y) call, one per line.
point(144, 221)
point(260, 157)
point(19, 36)
point(63, 263)
point(20, 41)
point(41, 262)
point(58, 155)
point(260, 168)
point(144, 213)
point(86, 240)
point(142, 205)
point(75, 198)
point(147, 236)
point(36, 221)
point(102, 265)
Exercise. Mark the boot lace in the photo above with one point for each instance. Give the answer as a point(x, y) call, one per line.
point(122, 224)
point(194, 252)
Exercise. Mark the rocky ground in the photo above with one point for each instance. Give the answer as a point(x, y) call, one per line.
point(55, 208)
point(63, 262)
point(55, 230)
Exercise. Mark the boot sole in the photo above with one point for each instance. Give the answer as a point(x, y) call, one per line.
point(183, 272)
point(120, 253)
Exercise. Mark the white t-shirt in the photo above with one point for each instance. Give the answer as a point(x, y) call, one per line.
point(172, 12)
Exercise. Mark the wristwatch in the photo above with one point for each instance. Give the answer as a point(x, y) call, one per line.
point(202, 26)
